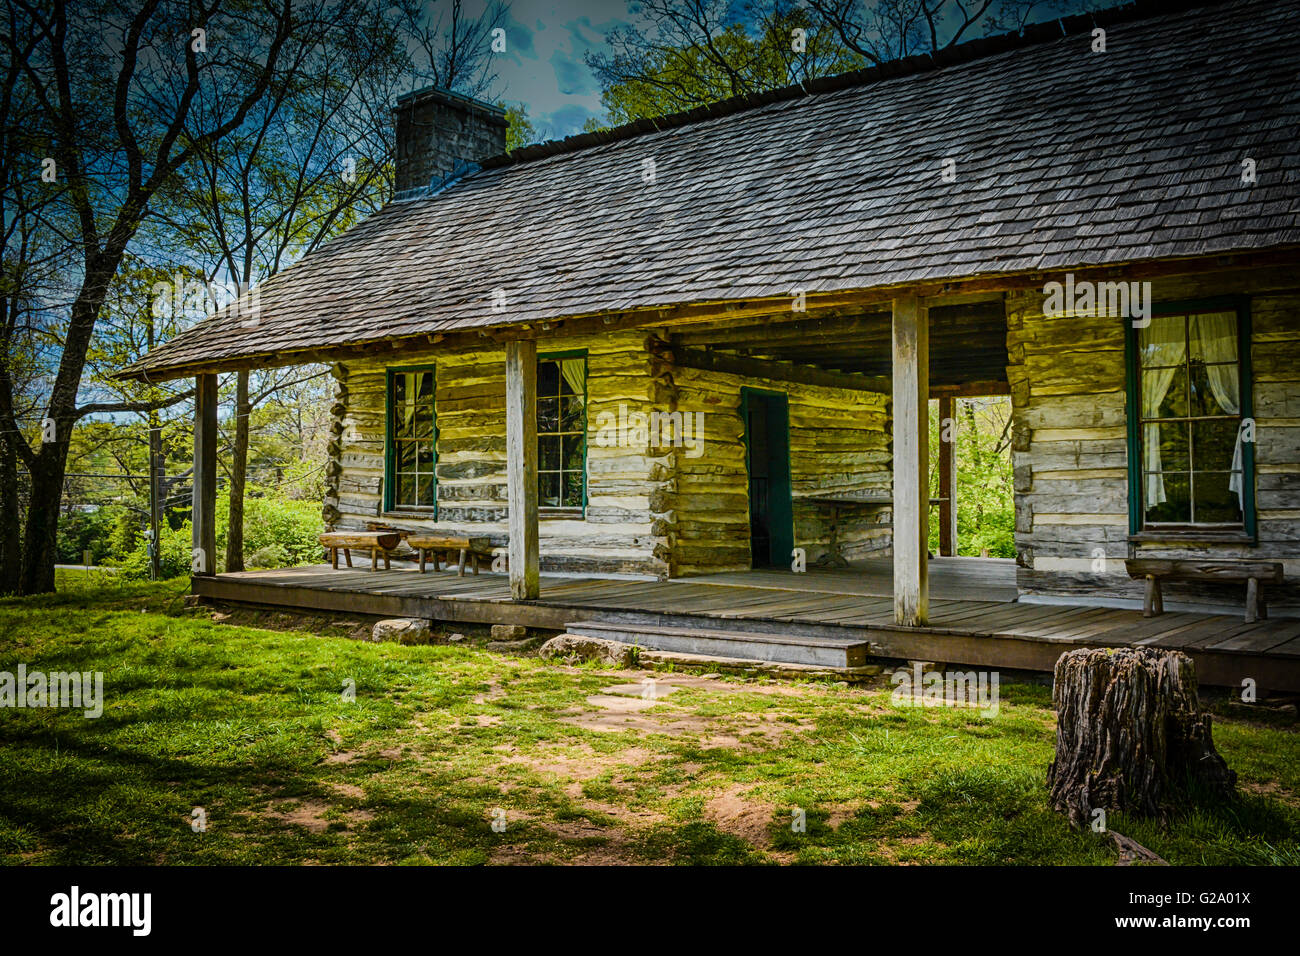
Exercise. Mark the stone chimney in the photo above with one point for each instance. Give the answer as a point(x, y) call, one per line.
point(440, 134)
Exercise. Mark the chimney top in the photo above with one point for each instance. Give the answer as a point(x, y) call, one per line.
point(442, 135)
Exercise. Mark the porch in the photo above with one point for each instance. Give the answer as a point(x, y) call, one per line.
point(822, 618)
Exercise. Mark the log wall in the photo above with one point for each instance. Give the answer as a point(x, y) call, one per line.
point(654, 507)
point(615, 535)
point(1070, 447)
point(838, 446)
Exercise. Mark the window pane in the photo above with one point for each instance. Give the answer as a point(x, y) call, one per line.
point(1215, 443)
point(573, 374)
point(426, 388)
point(571, 414)
point(573, 452)
point(1173, 404)
point(399, 389)
point(1163, 342)
point(549, 492)
point(549, 453)
point(1168, 498)
point(1217, 501)
point(573, 489)
point(423, 422)
point(405, 494)
point(425, 493)
point(548, 378)
point(425, 458)
point(406, 456)
point(1214, 337)
point(548, 415)
point(1166, 447)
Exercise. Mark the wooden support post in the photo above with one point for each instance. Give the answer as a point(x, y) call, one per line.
point(947, 474)
point(521, 467)
point(911, 367)
point(203, 518)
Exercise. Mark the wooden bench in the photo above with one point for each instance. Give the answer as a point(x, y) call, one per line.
point(477, 550)
point(1254, 573)
point(378, 542)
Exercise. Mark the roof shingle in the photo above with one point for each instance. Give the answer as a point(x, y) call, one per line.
point(1063, 157)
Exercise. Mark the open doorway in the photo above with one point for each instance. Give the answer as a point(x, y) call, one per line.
point(767, 463)
point(971, 476)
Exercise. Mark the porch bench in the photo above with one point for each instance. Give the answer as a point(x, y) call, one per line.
point(476, 550)
point(1254, 573)
point(377, 542)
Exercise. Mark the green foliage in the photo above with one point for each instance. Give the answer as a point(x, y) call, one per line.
point(521, 131)
point(175, 554)
point(105, 532)
point(278, 532)
point(986, 513)
point(687, 58)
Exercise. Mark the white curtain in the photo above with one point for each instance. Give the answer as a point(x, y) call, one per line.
point(1162, 343)
point(1215, 337)
point(575, 373)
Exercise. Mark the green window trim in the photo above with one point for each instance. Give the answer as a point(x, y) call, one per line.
point(391, 441)
point(1240, 304)
point(561, 511)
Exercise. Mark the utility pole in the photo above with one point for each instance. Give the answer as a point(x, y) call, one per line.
point(155, 475)
point(155, 496)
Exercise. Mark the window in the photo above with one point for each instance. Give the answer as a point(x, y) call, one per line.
point(412, 441)
point(1189, 397)
point(562, 432)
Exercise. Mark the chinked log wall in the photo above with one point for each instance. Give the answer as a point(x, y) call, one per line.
point(1070, 446)
point(838, 446)
point(651, 509)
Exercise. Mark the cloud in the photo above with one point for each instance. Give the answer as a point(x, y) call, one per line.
point(566, 121)
point(573, 79)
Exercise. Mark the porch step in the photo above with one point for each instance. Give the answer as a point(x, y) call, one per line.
point(744, 645)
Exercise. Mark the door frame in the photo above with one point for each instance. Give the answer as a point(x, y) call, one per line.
point(780, 494)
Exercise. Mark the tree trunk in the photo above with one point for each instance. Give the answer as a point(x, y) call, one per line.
point(40, 540)
point(10, 520)
point(238, 470)
point(1130, 734)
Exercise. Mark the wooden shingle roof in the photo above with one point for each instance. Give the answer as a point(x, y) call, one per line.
point(1064, 158)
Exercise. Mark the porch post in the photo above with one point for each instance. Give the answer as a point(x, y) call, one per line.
point(203, 518)
point(911, 368)
point(947, 472)
point(521, 466)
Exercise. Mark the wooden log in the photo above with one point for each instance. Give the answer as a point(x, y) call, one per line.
point(361, 539)
point(521, 472)
point(204, 515)
point(1130, 735)
point(911, 359)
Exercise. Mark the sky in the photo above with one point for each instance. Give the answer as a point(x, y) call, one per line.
point(543, 66)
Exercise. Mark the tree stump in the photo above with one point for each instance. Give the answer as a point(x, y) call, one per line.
point(1130, 734)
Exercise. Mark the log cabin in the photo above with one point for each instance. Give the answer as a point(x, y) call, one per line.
point(707, 343)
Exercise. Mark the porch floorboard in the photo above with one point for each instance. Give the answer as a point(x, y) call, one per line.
point(969, 624)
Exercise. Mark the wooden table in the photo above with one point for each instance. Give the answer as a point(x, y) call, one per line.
point(833, 558)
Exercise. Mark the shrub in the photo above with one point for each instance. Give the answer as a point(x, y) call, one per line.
point(278, 532)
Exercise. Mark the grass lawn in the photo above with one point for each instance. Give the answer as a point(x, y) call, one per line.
point(252, 726)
